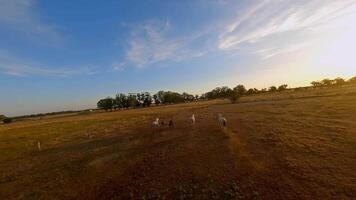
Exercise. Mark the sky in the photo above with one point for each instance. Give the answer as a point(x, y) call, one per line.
point(66, 55)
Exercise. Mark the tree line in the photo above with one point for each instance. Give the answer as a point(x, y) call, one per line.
point(144, 99)
point(240, 90)
point(333, 82)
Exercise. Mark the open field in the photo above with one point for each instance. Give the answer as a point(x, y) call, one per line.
point(290, 145)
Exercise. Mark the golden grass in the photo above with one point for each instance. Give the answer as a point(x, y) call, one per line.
point(302, 142)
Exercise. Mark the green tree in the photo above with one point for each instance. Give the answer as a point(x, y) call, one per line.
point(272, 89)
point(7, 120)
point(156, 100)
point(106, 104)
point(352, 80)
point(240, 89)
point(316, 84)
point(233, 96)
point(133, 101)
point(147, 99)
point(282, 87)
point(250, 91)
point(339, 81)
point(327, 82)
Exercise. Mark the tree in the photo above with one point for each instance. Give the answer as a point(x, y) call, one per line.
point(339, 81)
point(106, 104)
point(250, 91)
point(282, 87)
point(316, 84)
point(327, 82)
point(156, 100)
point(352, 80)
point(233, 96)
point(188, 97)
point(121, 101)
point(133, 101)
point(147, 99)
point(7, 120)
point(240, 89)
point(272, 89)
point(2, 117)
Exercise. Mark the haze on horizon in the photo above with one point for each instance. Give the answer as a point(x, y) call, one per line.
point(63, 55)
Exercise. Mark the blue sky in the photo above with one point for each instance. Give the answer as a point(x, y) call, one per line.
point(62, 55)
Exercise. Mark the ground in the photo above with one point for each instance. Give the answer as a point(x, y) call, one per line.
point(290, 145)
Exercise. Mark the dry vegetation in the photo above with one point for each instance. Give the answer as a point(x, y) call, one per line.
point(290, 145)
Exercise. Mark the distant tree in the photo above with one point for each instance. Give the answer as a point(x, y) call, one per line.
point(147, 99)
point(196, 97)
point(299, 89)
point(225, 92)
point(282, 87)
point(106, 104)
point(352, 80)
point(240, 89)
point(133, 101)
point(188, 97)
point(7, 120)
point(233, 96)
point(316, 84)
point(121, 101)
point(2, 117)
point(339, 81)
point(327, 82)
point(250, 91)
point(263, 90)
point(156, 100)
point(272, 89)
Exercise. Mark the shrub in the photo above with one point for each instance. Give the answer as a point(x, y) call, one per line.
point(7, 120)
point(282, 87)
point(272, 89)
point(233, 97)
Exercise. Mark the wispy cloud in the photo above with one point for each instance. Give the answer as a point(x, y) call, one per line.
point(16, 67)
point(22, 16)
point(151, 43)
point(281, 26)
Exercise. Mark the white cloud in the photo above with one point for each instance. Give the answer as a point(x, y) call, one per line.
point(16, 67)
point(150, 43)
point(282, 26)
point(22, 16)
point(118, 66)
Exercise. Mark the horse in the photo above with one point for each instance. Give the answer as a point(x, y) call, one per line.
point(222, 120)
point(193, 119)
point(155, 124)
point(171, 124)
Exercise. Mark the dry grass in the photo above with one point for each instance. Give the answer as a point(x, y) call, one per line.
point(290, 145)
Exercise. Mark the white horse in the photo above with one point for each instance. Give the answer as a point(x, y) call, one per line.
point(192, 119)
point(39, 145)
point(222, 120)
point(155, 124)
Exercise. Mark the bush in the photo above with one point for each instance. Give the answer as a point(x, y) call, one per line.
point(7, 120)
point(233, 97)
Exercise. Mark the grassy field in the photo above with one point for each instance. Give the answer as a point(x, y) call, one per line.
point(289, 145)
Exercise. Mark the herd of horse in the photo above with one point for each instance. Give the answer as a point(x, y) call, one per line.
point(158, 124)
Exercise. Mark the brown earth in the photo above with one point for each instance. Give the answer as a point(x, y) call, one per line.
point(295, 145)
